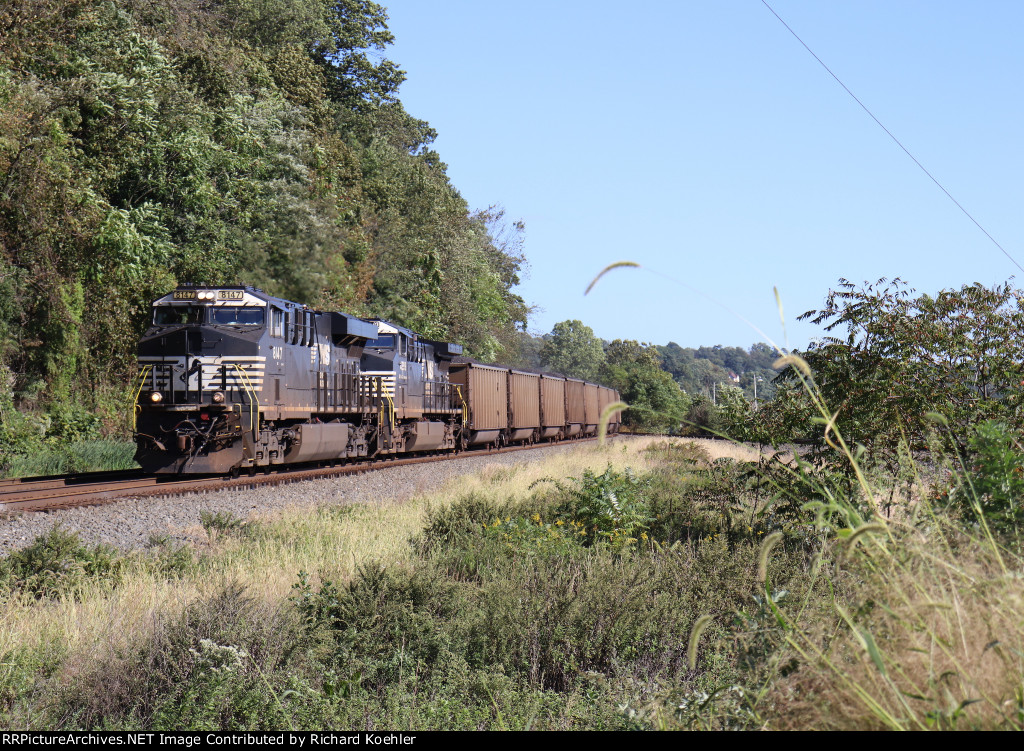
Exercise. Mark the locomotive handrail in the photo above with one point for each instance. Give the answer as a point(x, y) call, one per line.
point(253, 399)
point(136, 408)
point(465, 407)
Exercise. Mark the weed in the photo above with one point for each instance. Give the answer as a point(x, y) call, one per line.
point(609, 507)
point(223, 663)
point(57, 563)
point(227, 524)
point(77, 456)
point(171, 561)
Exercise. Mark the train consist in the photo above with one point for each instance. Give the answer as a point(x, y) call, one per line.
point(232, 379)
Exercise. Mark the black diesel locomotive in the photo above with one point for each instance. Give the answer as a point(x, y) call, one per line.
point(233, 379)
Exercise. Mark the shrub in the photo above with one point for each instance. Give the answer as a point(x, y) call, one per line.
point(703, 419)
point(225, 523)
point(682, 455)
point(226, 662)
point(994, 482)
point(171, 561)
point(609, 506)
point(57, 563)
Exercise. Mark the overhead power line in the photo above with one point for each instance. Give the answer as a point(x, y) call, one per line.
point(894, 138)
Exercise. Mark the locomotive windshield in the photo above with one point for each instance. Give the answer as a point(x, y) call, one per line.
point(172, 315)
point(233, 315)
point(385, 341)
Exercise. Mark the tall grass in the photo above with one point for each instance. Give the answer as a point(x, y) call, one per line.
point(79, 456)
point(921, 628)
point(639, 584)
point(44, 640)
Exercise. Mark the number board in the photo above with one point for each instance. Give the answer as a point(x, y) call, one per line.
point(230, 294)
point(184, 294)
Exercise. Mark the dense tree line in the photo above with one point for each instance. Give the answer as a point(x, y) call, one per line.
point(148, 142)
point(699, 370)
point(669, 389)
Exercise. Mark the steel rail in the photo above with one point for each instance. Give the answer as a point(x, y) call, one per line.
point(98, 488)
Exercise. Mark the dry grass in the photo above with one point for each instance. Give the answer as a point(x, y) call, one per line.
point(330, 543)
point(923, 628)
point(929, 637)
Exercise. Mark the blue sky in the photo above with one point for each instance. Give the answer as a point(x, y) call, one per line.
point(700, 140)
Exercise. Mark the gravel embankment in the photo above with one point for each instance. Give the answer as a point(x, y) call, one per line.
point(128, 523)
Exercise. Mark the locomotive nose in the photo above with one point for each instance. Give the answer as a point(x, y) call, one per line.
point(186, 340)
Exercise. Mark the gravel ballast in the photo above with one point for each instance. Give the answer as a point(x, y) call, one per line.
point(130, 523)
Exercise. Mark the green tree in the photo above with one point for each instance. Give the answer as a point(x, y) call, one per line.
point(146, 142)
point(900, 357)
point(656, 403)
point(573, 350)
point(736, 412)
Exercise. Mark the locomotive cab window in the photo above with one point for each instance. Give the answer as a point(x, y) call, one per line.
point(277, 322)
point(384, 341)
point(176, 315)
point(232, 315)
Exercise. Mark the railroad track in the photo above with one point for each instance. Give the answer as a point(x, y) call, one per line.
point(97, 488)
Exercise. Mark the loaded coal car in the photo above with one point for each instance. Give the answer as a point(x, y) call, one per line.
point(231, 378)
point(507, 405)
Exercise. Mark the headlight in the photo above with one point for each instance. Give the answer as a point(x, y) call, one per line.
point(218, 397)
point(156, 397)
point(206, 296)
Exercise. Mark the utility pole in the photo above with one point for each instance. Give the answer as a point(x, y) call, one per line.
point(756, 379)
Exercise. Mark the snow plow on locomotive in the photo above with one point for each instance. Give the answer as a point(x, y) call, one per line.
point(231, 379)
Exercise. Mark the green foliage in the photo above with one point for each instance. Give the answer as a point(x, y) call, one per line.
point(994, 482)
point(56, 564)
point(225, 523)
point(171, 561)
point(61, 459)
point(228, 142)
point(703, 419)
point(697, 370)
point(736, 413)
point(901, 358)
point(573, 350)
point(656, 403)
point(225, 662)
point(544, 613)
point(534, 536)
point(610, 507)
